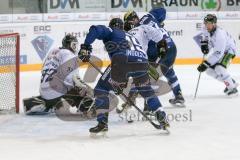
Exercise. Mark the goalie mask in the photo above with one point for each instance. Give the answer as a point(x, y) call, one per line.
point(131, 19)
point(116, 23)
point(70, 42)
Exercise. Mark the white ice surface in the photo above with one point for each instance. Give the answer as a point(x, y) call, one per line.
point(212, 133)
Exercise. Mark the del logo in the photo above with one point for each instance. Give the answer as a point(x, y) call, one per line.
point(64, 4)
point(214, 5)
point(125, 3)
point(42, 44)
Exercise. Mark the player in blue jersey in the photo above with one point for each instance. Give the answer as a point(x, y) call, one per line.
point(167, 54)
point(123, 50)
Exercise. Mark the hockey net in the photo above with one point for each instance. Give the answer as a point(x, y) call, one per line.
point(9, 73)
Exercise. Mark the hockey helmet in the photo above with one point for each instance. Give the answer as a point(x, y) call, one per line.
point(130, 15)
point(159, 14)
point(116, 23)
point(70, 42)
point(131, 19)
point(210, 18)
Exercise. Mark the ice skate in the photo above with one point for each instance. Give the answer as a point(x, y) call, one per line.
point(231, 92)
point(162, 119)
point(100, 130)
point(178, 101)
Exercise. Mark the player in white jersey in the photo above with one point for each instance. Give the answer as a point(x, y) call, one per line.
point(145, 33)
point(223, 49)
point(60, 80)
point(148, 30)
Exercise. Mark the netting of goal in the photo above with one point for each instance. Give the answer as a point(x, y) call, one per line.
point(9, 73)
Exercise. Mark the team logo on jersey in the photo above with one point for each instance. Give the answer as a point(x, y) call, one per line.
point(211, 5)
point(42, 44)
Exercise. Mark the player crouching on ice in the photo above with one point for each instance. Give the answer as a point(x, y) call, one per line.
point(122, 48)
point(224, 50)
point(60, 81)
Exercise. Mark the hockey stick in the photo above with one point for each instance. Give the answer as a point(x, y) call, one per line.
point(157, 126)
point(199, 76)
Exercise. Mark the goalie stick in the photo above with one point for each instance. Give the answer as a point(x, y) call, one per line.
point(157, 126)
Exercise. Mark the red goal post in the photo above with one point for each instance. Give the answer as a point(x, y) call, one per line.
point(9, 72)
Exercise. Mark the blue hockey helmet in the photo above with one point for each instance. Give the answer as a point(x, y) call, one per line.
point(159, 14)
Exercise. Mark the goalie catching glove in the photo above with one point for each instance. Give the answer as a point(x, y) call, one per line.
point(85, 52)
point(80, 86)
point(203, 67)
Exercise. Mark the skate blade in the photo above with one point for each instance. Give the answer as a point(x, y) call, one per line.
point(99, 135)
point(177, 105)
point(165, 131)
point(180, 105)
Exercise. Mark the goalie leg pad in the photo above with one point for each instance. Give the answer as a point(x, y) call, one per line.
point(34, 106)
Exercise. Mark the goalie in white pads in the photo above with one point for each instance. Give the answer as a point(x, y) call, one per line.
point(61, 81)
point(223, 48)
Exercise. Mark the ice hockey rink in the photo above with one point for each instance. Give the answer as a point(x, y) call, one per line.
point(207, 129)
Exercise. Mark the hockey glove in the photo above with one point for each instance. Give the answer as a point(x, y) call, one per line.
point(204, 47)
point(162, 48)
point(85, 52)
point(79, 85)
point(203, 67)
